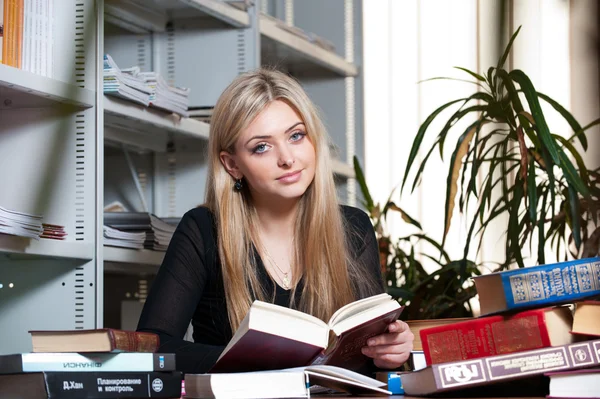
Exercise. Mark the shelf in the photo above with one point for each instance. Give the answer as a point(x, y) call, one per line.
point(342, 169)
point(152, 16)
point(133, 256)
point(132, 261)
point(20, 88)
point(147, 128)
point(25, 248)
point(294, 50)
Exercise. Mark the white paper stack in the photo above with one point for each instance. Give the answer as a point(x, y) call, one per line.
point(117, 238)
point(170, 98)
point(20, 224)
point(157, 232)
point(125, 85)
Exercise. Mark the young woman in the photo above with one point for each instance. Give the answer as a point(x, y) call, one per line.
point(271, 229)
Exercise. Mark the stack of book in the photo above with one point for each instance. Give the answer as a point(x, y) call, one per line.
point(124, 85)
point(537, 323)
point(146, 88)
point(157, 232)
point(123, 239)
point(27, 37)
point(93, 364)
point(169, 98)
point(20, 223)
point(53, 231)
point(279, 352)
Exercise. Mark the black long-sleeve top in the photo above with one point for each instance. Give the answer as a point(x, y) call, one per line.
point(189, 286)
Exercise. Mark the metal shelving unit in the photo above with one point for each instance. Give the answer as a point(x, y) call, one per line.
point(54, 132)
point(25, 89)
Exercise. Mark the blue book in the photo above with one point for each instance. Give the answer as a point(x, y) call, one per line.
point(538, 286)
point(393, 381)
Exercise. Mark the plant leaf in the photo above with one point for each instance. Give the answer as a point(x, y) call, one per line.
point(558, 156)
point(475, 75)
point(568, 117)
point(591, 247)
point(360, 177)
point(578, 159)
point(462, 146)
point(507, 50)
point(405, 216)
point(419, 137)
point(532, 192)
point(575, 218)
point(541, 236)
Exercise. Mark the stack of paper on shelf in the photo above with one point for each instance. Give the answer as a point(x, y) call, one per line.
point(169, 98)
point(146, 88)
point(20, 224)
point(53, 231)
point(123, 239)
point(124, 85)
point(157, 232)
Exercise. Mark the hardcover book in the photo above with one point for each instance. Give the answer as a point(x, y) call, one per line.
point(495, 335)
point(586, 318)
point(98, 340)
point(81, 362)
point(464, 374)
point(536, 286)
point(91, 385)
point(575, 384)
point(274, 337)
point(417, 325)
point(287, 383)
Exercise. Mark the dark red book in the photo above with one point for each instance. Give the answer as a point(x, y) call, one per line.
point(492, 371)
point(98, 340)
point(495, 335)
point(275, 337)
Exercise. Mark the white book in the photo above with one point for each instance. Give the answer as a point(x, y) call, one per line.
point(286, 383)
point(81, 362)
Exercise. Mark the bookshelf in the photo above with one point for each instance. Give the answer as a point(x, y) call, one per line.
point(63, 143)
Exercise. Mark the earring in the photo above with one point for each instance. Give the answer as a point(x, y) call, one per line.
point(238, 185)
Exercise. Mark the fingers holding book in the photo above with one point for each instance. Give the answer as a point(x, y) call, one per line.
point(392, 348)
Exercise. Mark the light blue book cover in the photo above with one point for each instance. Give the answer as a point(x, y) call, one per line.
point(551, 283)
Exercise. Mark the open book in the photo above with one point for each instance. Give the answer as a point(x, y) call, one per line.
point(275, 337)
point(288, 383)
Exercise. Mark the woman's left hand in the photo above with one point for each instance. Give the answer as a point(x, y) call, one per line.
point(391, 349)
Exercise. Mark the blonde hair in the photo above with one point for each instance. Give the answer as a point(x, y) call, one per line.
point(331, 277)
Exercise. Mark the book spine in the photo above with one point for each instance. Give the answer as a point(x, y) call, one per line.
point(75, 362)
point(486, 336)
point(552, 284)
point(113, 385)
point(133, 341)
point(455, 375)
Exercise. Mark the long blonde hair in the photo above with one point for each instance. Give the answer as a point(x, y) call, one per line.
point(331, 277)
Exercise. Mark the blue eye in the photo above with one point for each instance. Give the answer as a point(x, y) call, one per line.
point(297, 136)
point(259, 149)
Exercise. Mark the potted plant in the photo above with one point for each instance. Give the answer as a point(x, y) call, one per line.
point(443, 293)
point(534, 176)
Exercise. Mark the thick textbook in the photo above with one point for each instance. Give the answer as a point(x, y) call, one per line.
point(537, 286)
point(465, 374)
point(287, 383)
point(274, 337)
point(91, 385)
point(98, 340)
point(498, 334)
point(82, 362)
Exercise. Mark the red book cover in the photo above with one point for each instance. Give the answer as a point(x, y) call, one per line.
point(495, 335)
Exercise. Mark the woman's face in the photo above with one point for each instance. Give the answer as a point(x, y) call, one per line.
point(274, 155)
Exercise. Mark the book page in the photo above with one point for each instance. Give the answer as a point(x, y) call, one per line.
point(356, 307)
